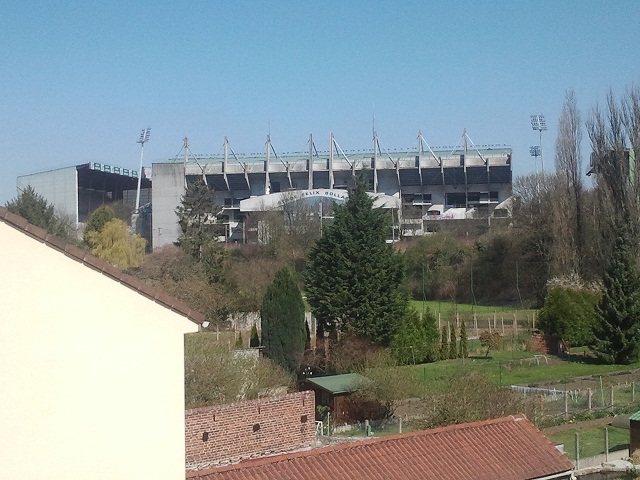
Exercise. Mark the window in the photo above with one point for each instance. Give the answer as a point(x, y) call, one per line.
point(456, 200)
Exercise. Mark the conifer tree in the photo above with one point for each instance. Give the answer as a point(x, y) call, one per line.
point(37, 211)
point(354, 280)
point(283, 323)
point(196, 217)
point(617, 331)
point(453, 344)
point(464, 345)
point(444, 344)
point(417, 339)
point(97, 220)
point(254, 341)
point(239, 342)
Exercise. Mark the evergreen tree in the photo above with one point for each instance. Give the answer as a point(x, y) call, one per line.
point(453, 344)
point(196, 217)
point(254, 341)
point(37, 211)
point(617, 332)
point(239, 342)
point(464, 345)
point(97, 220)
point(444, 344)
point(283, 324)
point(417, 338)
point(354, 280)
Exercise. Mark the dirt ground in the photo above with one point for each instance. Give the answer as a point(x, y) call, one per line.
point(593, 381)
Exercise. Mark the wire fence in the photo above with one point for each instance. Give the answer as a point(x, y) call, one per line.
point(553, 406)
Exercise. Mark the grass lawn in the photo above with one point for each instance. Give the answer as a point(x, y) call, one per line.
point(389, 428)
point(591, 440)
point(447, 308)
point(510, 368)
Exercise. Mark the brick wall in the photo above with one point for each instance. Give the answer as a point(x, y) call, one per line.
point(223, 434)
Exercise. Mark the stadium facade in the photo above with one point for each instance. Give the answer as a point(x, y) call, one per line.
point(78, 190)
point(419, 186)
point(424, 188)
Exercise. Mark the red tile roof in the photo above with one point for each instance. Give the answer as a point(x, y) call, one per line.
point(99, 265)
point(509, 448)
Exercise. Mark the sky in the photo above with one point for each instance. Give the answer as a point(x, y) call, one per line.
point(79, 80)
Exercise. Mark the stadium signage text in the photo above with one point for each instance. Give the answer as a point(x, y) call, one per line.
point(322, 192)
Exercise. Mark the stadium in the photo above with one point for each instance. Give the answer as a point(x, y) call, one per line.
point(425, 189)
point(420, 187)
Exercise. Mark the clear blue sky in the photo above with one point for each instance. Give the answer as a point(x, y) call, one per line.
point(78, 82)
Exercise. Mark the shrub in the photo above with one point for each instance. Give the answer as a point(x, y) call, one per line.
point(569, 313)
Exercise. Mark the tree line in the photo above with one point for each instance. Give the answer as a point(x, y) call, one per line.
point(357, 284)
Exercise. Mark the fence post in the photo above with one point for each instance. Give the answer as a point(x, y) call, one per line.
point(475, 323)
point(566, 405)
point(633, 392)
point(400, 424)
point(502, 323)
point(577, 443)
point(611, 390)
point(590, 394)
point(606, 444)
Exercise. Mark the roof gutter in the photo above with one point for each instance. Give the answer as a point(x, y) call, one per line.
point(558, 475)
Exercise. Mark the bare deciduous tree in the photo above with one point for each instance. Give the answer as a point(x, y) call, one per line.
point(568, 221)
point(615, 161)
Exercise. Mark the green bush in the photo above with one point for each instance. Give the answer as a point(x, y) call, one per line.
point(569, 313)
point(416, 340)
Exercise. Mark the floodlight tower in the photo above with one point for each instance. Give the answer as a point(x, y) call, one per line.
point(535, 152)
point(540, 124)
point(144, 138)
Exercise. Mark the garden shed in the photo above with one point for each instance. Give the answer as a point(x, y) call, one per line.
point(334, 391)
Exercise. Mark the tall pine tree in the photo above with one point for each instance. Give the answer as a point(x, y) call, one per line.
point(453, 344)
point(354, 280)
point(40, 213)
point(617, 331)
point(284, 331)
point(444, 343)
point(464, 345)
point(196, 217)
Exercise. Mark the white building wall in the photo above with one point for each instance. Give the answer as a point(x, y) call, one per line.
point(92, 372)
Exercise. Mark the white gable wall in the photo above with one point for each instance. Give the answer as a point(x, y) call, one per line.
point(92, 372)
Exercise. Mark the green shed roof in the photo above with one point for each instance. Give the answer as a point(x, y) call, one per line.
point(347, 382)
point(635, 416)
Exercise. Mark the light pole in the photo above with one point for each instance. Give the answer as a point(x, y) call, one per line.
point(144, 138)
point(535, 152)
point(540, 124)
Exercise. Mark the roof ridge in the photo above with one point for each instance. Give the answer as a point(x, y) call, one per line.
point(83, 256)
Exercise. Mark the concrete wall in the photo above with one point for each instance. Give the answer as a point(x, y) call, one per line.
point(223, 434)
point(92, 372)
point(58, 187)
point(168, 188)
